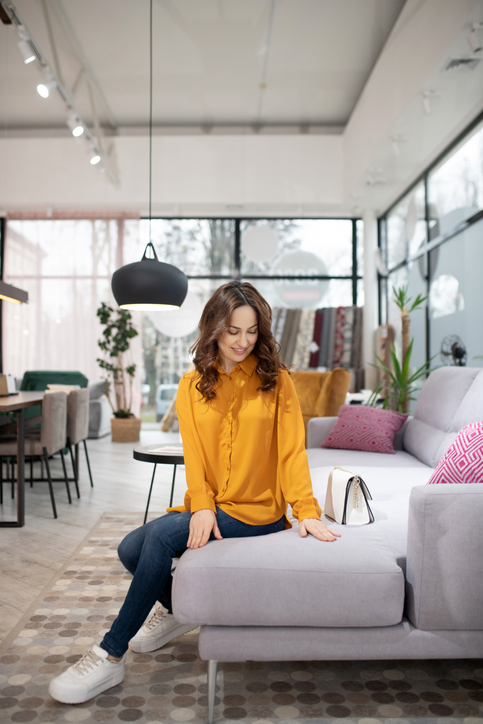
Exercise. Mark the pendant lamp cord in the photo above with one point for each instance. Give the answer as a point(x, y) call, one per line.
point(150, 110)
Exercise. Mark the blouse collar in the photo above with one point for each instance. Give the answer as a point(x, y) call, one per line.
point(248, 365)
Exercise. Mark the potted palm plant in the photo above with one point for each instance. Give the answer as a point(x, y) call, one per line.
point(115, 342)
point(399, 381)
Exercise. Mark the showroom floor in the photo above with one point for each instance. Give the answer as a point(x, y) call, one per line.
point(30, 557)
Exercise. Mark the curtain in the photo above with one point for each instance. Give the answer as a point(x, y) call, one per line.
point(66, 265)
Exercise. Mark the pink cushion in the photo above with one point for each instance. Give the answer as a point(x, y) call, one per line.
point(463, 460)
point(365, 428)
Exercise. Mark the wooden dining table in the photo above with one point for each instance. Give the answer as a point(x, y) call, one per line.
point(19, 403)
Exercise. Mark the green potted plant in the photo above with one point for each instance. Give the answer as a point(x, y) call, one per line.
point(398, 384)
point(118, 331)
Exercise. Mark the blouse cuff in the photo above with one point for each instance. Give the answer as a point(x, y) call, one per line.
point(202, 502)
point(307, 509)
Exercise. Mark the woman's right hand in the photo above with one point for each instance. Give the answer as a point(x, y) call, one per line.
point(201, 524)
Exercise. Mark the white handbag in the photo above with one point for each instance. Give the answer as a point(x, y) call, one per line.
point(346, 498)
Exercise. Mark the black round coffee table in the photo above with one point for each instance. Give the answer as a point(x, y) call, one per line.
point(160, 455)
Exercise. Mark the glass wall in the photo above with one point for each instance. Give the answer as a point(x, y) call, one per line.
point(294, 263)
point(432, 241)
point(66, 265)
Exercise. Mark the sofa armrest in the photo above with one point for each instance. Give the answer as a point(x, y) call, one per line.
point(318, 429)
point(444, 573)
point(100, 413)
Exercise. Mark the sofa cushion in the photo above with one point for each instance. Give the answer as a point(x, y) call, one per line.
point(285, 580)
point(365, 428)
point(463, 460)
point(451, 398)
point(390, 488)
point(320, 457)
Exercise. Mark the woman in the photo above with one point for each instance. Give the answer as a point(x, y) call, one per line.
point(243, 443)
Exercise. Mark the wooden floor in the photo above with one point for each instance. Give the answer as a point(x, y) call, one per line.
point(31, 556)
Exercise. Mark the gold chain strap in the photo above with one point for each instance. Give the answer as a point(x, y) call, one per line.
point(356, 486)
point(356, 489)
point(337, 467)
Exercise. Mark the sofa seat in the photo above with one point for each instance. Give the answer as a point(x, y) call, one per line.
point(390, 489)
point(354, 582)
point(357, 581)
point(354, 460)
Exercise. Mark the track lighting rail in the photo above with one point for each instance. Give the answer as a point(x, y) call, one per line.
point(52, 81)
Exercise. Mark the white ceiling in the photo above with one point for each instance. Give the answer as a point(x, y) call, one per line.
point(209, 59)
point(312, 92)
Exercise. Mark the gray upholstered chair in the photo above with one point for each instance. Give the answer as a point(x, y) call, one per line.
point(49, 440)
point(78, 429)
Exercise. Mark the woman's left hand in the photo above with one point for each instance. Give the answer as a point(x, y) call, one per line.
point(317, 529)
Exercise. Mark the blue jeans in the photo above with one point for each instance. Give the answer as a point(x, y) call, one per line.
point(147, 553)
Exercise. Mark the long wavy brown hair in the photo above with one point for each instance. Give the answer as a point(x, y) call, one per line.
point(215, 321)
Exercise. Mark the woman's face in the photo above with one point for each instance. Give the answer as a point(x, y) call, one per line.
point(236, 344)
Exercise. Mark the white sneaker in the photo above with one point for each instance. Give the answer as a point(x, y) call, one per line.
point(160, 628)
point(90, 676)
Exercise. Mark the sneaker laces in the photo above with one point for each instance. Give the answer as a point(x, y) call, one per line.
point(158, 616)
point(88, 662)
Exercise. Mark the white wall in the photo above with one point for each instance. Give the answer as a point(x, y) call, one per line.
point(188, 171)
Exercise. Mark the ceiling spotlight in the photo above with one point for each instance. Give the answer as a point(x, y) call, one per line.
point(396, 143)
point(94, 156)
point(426, 103)
point(45, 88)
point(75, 125)
point(473, 39)
point(28, 54)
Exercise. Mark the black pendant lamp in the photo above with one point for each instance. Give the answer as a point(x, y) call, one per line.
point(13, 294)
point(149, 284)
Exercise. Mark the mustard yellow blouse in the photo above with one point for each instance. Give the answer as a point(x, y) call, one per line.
point(244, 451)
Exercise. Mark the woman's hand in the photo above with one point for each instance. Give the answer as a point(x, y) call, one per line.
point(201, 524)
point(317, 529)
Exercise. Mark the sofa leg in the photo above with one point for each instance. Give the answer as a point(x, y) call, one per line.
point(212, 668)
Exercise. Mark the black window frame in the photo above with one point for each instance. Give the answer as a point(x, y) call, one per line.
point(354, 277)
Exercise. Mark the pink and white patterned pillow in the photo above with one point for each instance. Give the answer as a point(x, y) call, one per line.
point(463, 460)
point(365, 428)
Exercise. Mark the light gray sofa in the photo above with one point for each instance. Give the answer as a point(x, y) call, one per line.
point(408, 586)
point(100, 411)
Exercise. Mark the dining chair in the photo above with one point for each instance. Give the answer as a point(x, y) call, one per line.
point(49, 440)
point(78, 430)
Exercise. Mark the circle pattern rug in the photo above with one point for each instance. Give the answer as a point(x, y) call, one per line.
point(169, 685)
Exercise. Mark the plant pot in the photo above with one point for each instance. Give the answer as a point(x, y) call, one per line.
point(125, 429)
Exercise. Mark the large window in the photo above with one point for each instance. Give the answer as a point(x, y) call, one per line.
point(432, 241)
point(294, 263)
point(67, 265)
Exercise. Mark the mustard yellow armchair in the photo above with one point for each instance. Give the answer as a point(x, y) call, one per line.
point(321, 393)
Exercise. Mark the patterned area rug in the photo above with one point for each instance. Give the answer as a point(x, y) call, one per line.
point(170, 685)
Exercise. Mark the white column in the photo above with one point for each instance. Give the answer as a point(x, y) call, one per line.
point(371, 321)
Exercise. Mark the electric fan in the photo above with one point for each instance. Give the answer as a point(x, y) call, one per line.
point(453, 351)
